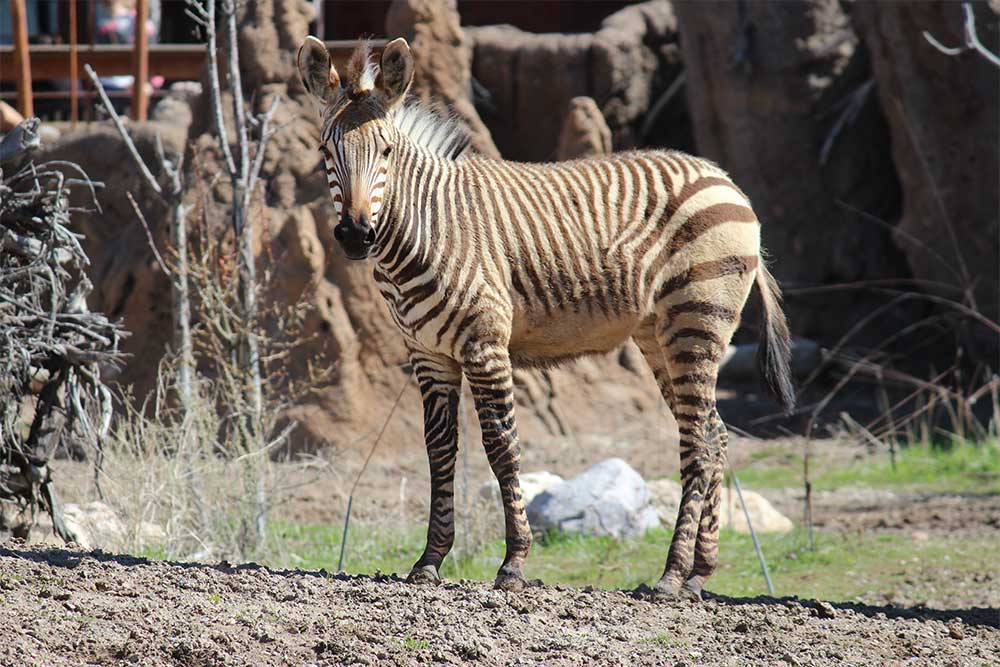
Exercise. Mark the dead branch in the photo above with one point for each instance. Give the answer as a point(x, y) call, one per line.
point(21, 140)
point(972, 42)
point(51, 345)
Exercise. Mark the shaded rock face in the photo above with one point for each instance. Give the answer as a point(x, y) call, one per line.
point(943, 117)
point(755, 112)
point(128, 281)
point(610, 499)
point(584, 132)
point(443, 56)
point(530, 75)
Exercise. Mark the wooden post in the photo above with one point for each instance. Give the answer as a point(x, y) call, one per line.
point(140, 62)
point(74, 66)
point(19, 17)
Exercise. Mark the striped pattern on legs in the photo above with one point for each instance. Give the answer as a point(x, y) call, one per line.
point(440, 382)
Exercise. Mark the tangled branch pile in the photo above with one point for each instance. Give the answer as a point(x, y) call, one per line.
point(51, 346)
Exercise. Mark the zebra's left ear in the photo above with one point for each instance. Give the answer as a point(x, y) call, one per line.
point(395, 72)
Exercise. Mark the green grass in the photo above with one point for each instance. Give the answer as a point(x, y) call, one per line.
point(959, 468)
point(840, 568)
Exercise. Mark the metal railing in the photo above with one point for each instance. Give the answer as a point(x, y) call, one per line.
point(65, 62)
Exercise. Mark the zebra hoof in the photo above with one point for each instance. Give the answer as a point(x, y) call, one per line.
point(668, 589)
point(509, 581)
point(692, 589)
point(424, 575)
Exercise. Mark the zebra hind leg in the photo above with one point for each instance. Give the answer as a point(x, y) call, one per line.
point(706, 548)
point(693, 335)
point(440, 381)
point(696, 527)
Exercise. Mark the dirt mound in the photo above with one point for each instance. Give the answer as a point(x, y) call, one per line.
point(72, 607)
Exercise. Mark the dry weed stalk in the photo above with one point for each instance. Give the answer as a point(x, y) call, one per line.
point(205, 470)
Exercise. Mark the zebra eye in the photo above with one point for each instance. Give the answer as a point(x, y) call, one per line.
point(385, 153)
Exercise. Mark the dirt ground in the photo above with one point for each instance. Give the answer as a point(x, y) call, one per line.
point(65, 607)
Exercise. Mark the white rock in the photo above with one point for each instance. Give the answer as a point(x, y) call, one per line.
point(532, 483)
point(666, 497)
point(96, 526)
point(766, 519)
point(610, 498)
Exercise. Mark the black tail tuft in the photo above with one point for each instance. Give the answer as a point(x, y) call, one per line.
point(775, 349)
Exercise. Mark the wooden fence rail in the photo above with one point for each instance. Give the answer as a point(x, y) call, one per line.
point(63, 62)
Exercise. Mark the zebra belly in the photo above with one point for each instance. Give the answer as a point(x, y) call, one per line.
point(563, 335)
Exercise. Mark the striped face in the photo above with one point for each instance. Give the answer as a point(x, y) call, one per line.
point(356, 168)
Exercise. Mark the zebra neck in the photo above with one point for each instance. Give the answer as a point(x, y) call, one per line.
point(410, 228)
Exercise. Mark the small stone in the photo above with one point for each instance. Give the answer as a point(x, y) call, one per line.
point(791, 659)
point(825, 610)
point(956, 632)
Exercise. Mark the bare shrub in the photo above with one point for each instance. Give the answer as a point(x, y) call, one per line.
point(203, 468)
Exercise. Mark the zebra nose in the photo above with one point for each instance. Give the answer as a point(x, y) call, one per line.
point(340, 233)
point(370, 237)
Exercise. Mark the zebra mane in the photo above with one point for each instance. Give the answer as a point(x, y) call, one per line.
point(436, 130)
point(431, 126)
point(361, 70)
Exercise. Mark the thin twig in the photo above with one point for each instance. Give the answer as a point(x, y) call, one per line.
point(116, 119)
point(972, 42)
point(149, 234)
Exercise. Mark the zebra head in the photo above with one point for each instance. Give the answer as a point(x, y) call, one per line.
point(357, 136)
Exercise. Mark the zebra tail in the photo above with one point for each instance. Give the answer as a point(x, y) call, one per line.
point(775, 350)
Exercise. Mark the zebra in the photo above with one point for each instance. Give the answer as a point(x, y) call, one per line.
point(487, 264)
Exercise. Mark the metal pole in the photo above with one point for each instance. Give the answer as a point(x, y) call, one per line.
point(140, 62)
point(753, 534)
point(343, 538)
point(74, 66)
point(19, 17)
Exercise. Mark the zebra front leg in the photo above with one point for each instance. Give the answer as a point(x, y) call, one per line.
point(490, 376)
point(440, 380)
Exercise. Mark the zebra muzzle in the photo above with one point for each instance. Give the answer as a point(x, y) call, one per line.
point(356, 239)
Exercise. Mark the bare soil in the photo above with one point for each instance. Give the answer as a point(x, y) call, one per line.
point(66, 607)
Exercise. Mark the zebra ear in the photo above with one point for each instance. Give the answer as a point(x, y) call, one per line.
point(318, 74)
point(396, 72)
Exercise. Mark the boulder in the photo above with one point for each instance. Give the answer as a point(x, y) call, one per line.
point(443, 55)
point(666, 495)
point(621, 66)
point(175, 108)
point(532, 484)
point(610, 498)
point(765, 518)
point(95, 525)
point(739, 363)
point(584, 131)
